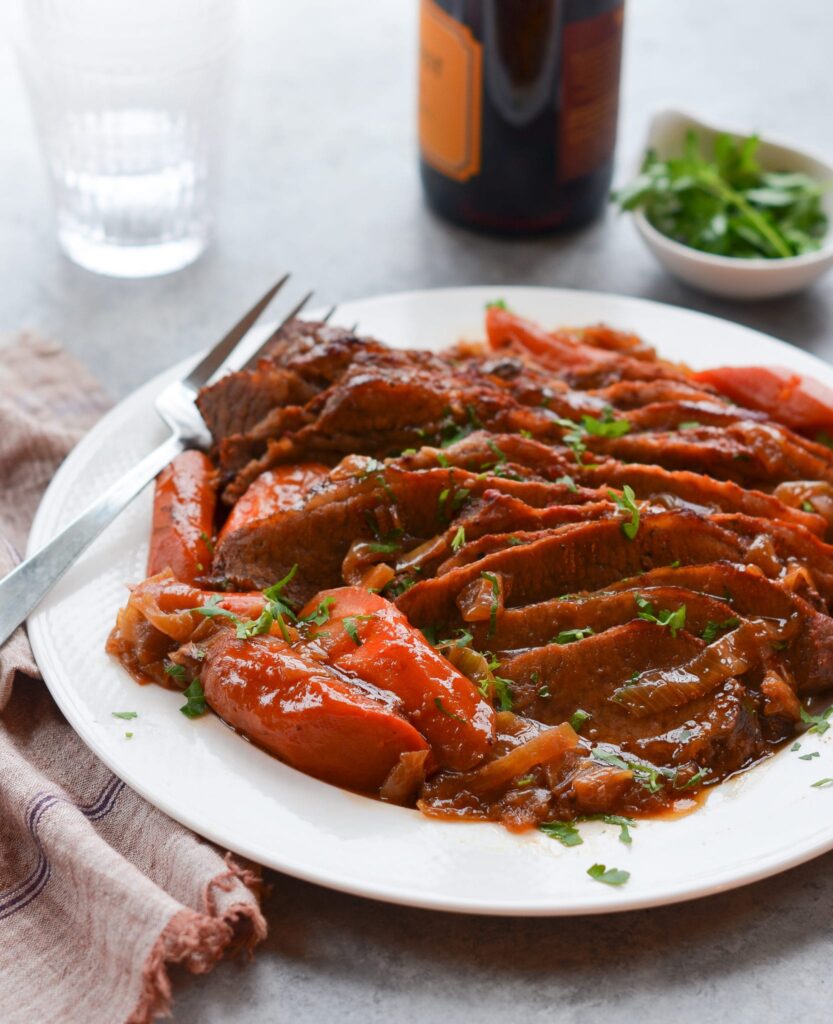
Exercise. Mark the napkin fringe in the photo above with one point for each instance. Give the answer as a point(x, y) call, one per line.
point(197, 941)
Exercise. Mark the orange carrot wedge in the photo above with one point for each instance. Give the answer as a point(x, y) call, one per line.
point(369, 637)
point(297, 708)
point(183, 518)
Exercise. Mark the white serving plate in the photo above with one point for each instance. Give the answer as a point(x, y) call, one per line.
point(210, 779)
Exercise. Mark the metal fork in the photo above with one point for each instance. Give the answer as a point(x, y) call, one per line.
point(22, 590)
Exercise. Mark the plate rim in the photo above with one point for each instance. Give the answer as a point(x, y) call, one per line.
point(618, 901)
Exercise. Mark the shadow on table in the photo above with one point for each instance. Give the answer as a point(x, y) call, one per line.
point(332, 954)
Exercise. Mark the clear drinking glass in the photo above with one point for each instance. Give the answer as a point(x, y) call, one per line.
point(128, 97)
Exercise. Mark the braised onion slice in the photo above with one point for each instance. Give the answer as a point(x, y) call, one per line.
point(733, 654)
point(548, 746)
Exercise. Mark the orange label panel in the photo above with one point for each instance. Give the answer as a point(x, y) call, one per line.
point(450, 94)
point(590, 59)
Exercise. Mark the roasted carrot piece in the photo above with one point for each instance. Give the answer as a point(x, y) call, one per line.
point(276, 490)
point(368, 636)
point(296, 707)
point(183, 517)
point(801, 403)
point(553, 350)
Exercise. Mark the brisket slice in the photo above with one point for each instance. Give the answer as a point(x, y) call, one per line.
point(749, 453)
point(578, 557)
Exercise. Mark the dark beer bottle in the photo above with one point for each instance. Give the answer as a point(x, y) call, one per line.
point(518, 102)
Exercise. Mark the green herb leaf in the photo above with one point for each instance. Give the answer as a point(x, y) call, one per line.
point(564, 831)
point(570, 636)
point(459, 538)
point(605, 428)
point(823, 784)
point(126, 715)
point(438, 701)
point(195, 701)
point(321, 614)
point(495, 602)
point(351, 629)
point(713, 628)
point(625, 824)
point(496, 304)
point(610, 876)
point(818, 723)
point(626, 501)
point(724, 203)
point(672, 620)
point(172, 669)
point(809, 757)
point(578, 718)
point(569, 482)
point(503, 692)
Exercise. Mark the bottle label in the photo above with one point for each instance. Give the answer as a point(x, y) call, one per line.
point(590, 59)
point(450, 93)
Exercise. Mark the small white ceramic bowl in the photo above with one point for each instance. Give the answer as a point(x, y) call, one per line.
point(729, 276)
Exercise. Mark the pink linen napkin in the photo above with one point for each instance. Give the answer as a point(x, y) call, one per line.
point(99, 890)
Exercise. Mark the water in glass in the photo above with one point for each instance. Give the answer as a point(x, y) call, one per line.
point(128, 99)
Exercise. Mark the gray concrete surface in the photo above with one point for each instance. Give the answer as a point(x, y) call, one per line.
point(321, 177)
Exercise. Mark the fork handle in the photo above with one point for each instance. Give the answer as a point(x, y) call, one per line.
point(26, 585)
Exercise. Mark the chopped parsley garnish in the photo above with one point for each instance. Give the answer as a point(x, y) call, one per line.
point(383, 547)
point(513, 542)
point(126, 715)
point(544, 692)
point(615, 819)
point(695, 779)
point(573, 437)
point(495, 602)
point(503, 692)
point(321, 614)
point(823, 784)
point(672, 620)
point(350, 623)
point(459, 539)
point(807, 506)
point(713, 628)
point(650, 776)
point(209, 543)
point(607, 427)
point(128, 735)
point(443, 461)
point(496, 304)
point(809, 757)
point(463, 638)
point(568, 482)
point(451, 432)
point(564, 831)
point(795, 746)
point(610, 876)
point(689, 425)
point(451, 499)
point(525, 780)
point(438, 701)
point(626, 501)
point(274, 595)
point(818, 723)
point(570, 636)
point(195, 701)
point(500, 456)
point(567, 833)
point(578, 718)
point(172, 669)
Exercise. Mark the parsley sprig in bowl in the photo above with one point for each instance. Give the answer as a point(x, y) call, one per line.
point(730, 214)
